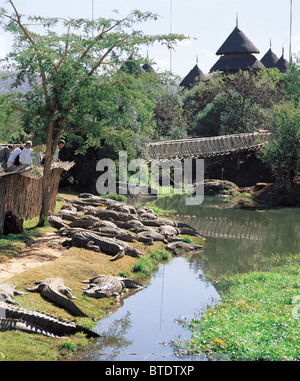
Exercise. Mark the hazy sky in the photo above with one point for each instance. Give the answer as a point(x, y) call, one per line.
point(207, 22)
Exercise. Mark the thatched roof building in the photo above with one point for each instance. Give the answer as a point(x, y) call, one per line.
point(282, 64)
point(193, 77)
point(131, 66)
point(270, 59)
point(237, 54)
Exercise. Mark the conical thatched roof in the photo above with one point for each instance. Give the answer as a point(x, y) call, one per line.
point(270, 59)
point(148, 68)
point(235, 62)
point(132, 67)
point(282, 64)
point(237, 42)
point(193, 77)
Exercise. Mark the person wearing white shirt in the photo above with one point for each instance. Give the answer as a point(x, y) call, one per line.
point(25, 155)
point(13, 156)
point(61, 144)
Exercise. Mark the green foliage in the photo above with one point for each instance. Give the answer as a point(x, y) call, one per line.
point(77, 90)
point(257, 319)
point(148, 264)
point(229, 104)
point(283, 152)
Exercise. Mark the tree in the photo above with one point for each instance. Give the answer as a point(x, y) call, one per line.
point(67, 71)
point(282, 154)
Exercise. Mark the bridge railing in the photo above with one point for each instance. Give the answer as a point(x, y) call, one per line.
point(208, 146)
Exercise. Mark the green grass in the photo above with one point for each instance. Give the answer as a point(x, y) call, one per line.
point(148, 264)
point(257, 318)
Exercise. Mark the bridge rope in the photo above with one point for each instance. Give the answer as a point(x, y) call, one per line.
point(207, 147)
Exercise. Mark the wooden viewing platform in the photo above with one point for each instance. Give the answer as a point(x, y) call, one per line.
point(207, 147)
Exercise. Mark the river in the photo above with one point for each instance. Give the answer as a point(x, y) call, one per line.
point(143, 328)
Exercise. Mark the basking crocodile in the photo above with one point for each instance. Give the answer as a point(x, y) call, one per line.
point(181, 245)
point(7, 292)
point(24, 319)
point(84, 222)
point(103, 286)
point(113, 215)
point(120, 234)
point(93, 241)
point(56, 221)
point(54, 290)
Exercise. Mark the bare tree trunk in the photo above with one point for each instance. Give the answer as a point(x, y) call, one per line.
point(52, 141)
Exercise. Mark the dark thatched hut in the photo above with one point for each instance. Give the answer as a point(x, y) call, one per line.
point(269, 60)
point(21, 190)
point(282, 64)
point(237, 54)
point(193, 77)
point(131, 66)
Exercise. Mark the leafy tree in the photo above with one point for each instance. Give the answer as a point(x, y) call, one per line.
point(227, 104)
point(282, 154)
point(69, 72)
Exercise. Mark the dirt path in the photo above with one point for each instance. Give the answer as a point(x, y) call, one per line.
point(37, 253)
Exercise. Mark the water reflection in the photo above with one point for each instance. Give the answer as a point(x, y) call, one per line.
point(236, 238)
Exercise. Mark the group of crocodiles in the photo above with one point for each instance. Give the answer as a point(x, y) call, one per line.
point(108, 226)
point(107, 230)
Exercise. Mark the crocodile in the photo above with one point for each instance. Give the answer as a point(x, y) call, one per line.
point(84, 222)
point(93, 241)
point(56, 222)
point(108, 285)
point(8, 291)
point(15, 317)
point(120, 234)
point(54, 290)
point(181, 245)
point(148, 237)
point(113, 215)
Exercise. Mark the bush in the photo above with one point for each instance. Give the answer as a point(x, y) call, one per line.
point(282, 155)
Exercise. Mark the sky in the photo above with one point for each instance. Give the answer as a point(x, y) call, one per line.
point(207, 22)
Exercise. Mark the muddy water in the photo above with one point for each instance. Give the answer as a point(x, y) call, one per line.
point(143, 328)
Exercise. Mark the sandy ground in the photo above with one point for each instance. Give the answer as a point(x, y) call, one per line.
point(37, 253)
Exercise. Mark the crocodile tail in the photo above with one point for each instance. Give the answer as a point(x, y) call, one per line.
point(21, 325)
point(118, 256)
point(131, 283)
point(63, 302)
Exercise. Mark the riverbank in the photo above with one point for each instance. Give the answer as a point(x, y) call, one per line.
point(257, 319)
point(72, 265)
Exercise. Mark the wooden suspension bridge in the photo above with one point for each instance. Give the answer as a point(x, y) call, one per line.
point(202, 148)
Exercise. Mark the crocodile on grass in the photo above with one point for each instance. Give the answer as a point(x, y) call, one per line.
point(92, 241)
point(8, 291)
point(54, 290)
point(19, 318)
point(103, 286)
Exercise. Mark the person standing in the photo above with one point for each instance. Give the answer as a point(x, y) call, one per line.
point(25, 155)
point(60, 145)
point(4, 154)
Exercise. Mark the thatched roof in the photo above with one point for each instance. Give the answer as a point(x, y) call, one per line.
point(132, 67)
point(235, 62)
point(193, 77)
point(282, 64)
point(237, 42)
point(269, 60)
point(148, 68)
